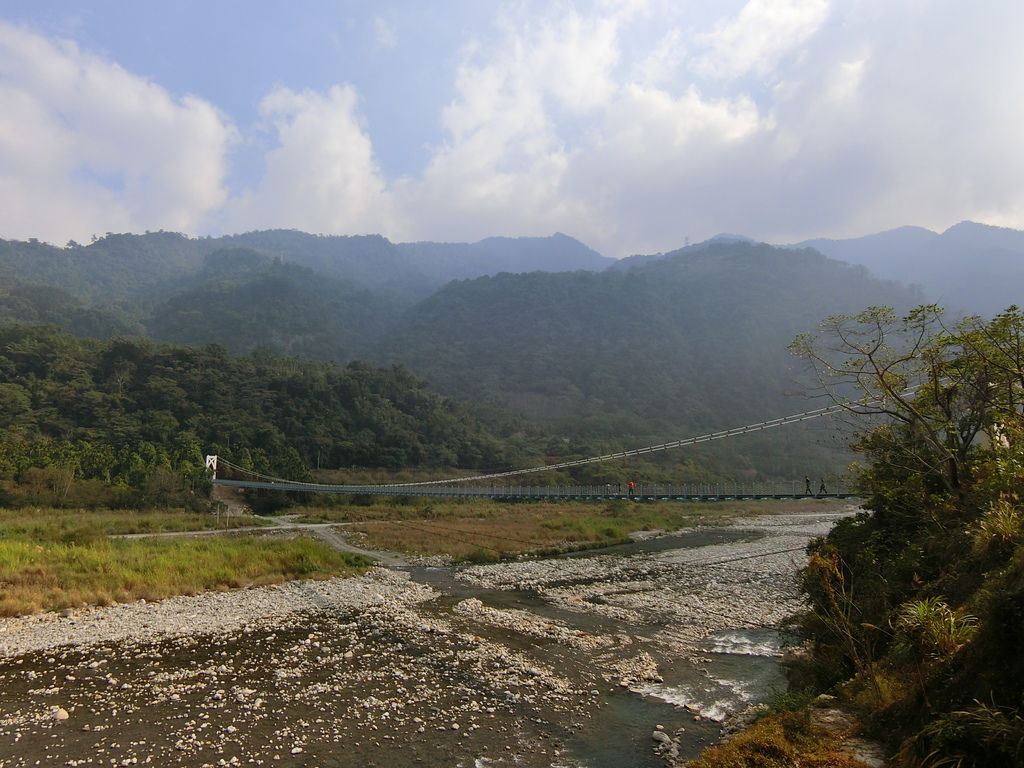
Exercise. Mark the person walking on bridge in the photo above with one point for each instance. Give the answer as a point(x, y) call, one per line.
point(821, 488)
point(807, 485)
point(632, 487)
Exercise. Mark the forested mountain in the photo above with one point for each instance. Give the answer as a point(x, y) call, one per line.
point(970, 268)
point(244, 300)
point(414, 270)
point(116, 269)
point(125, 411)
point(657, 348)
point(696, 340)
point(134, 269)
point(32, 303)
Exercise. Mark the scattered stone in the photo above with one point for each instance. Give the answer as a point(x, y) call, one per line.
point(231, 666)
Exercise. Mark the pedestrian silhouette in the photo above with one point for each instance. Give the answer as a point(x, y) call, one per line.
point(807, 485)
point(821, 488)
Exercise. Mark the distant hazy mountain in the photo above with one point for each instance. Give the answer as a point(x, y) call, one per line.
point(686, 341)
point(244, 299)
point(417, 269)
point(644, 258)
point(970, 267)
point(140, 268)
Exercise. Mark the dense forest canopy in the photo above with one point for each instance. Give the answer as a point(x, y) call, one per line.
point(687, 342)
point(679, 344)
point(121, 412)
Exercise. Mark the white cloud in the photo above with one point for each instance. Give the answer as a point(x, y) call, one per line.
point(662, 63)
point(760, 35)
point(904, 113)
point(787, 119)
point(629, 124)
point(550, 130)
point(501, 168)
point(384, 33)
point(87, 147)
point(321, 177)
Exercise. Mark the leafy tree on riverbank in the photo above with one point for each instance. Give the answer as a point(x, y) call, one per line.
point(921, 599)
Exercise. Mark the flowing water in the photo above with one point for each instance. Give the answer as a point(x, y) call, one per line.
point(724, 674)
point(573, 662)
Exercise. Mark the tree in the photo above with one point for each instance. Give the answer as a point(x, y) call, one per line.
point(928, 392)
point(939, 407)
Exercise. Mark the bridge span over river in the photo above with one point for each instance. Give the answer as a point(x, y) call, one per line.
point(500, 485)
point(642, 492)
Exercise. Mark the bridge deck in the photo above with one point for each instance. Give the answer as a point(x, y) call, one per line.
point(642, 493)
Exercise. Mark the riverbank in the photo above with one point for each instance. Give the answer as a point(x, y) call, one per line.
point(573, 661)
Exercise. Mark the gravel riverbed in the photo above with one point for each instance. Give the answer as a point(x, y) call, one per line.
point(610, 659)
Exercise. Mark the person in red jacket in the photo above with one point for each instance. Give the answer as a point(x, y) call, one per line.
point(631, 486)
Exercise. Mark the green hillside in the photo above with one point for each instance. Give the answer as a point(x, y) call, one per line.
point(688, 341)
point(128, 413)
point(245, 300)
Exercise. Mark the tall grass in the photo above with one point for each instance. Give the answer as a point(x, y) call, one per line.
point(52, 559)
point(36, 577)
point(47, 524)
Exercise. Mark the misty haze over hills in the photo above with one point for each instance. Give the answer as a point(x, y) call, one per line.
point(970, 267)
point(644, 348)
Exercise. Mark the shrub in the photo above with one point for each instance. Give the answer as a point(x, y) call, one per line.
point(978, 737)
point(929, 628)
point(481, 556)
point(1000, 527)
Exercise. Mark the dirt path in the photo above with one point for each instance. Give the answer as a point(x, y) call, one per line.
point(326, 532)
point(329, 535)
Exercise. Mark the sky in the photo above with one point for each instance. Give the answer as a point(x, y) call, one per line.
point(632, 125)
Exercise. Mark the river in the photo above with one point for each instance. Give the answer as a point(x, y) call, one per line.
point(578, 661)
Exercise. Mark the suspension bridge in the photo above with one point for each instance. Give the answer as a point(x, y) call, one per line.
point(499, 485)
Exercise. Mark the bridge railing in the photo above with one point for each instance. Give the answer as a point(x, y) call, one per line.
point(641, 490)
point(644, 491)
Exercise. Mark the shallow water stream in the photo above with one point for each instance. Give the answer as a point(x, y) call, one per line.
point(700, 684)
point(573, 661)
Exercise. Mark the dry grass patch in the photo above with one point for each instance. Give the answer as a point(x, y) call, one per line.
point(69, 525)
point(484, 528)
point(787, 740)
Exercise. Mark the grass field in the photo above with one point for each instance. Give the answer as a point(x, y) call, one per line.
point(482, 529)
point(52, 559)
point(77, 525)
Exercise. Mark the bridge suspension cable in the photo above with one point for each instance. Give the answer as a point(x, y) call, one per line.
point(726, 433)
